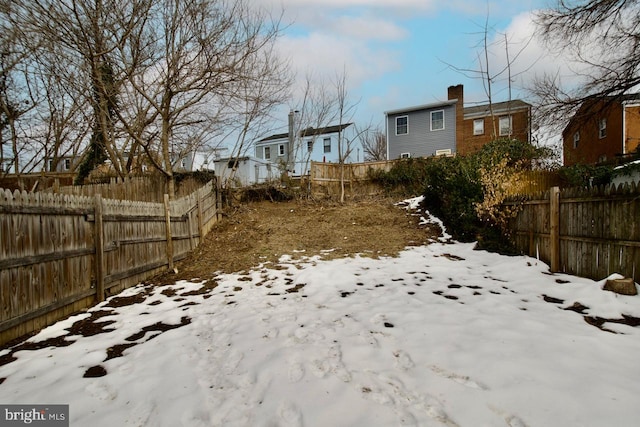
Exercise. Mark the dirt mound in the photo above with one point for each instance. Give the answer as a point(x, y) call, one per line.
point(261, 232)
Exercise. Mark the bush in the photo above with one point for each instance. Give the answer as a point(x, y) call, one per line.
point(586, 175)
point(466, 192)
point(451, 190)
point(406, 176)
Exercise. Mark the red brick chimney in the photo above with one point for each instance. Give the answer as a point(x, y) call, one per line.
point(457, 92)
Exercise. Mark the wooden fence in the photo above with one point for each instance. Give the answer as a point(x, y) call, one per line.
point(534, 182)
point(326, 177)
point(60, 254)
point(148, 188)
point(585, 232)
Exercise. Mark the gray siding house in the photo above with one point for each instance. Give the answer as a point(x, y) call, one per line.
point(421, 131)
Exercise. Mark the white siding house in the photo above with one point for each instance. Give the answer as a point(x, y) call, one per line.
point(249, 170)
point(284, 152)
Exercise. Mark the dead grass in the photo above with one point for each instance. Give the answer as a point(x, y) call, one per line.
point(261, 232)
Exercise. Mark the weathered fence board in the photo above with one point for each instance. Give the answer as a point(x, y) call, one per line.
point(598, 230)
point(150, 188)
point(60, 253)
point(326, 177)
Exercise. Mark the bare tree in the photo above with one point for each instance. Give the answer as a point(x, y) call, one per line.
point(16, 96)
point(345, 112)
point(374, 144)
point(601, 40)
point(62, 113)
point(86, 36)
point(314, 113)
point(253, 102)
point(146, 81)
point(203, 55)
point(491, 73)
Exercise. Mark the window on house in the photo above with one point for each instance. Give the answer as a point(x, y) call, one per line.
point(478, 127)
point(405, 155)
point(602, 128)
point(281, 150)
point(327, 145)
point(402, 125)
point(309, 146)
point(67, 164)
point(183, 163)
point(576, 139)
point(504, 124)
point(232, 164)
point(267, 152)
point(51, 165)
point(437, 120)
point(602, 158)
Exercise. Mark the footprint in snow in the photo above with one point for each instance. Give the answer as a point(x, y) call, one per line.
point(368, 339)
point(295, 372)
point(232, 360)
point(290, 414)
point(403, 360)
point(407, 418)
point(460, 379)
point(332, 364)
point(510, 419)
point(434, 409)
point(101, 391)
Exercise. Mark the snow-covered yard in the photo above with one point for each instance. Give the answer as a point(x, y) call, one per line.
point(441, 336)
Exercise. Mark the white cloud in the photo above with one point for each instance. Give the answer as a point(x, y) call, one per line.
point(367, 28)
point(415, 5)
point(534, 59)
point(323, 55)
point(528, 56)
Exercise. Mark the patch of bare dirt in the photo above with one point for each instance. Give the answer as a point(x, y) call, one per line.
point(261, 232)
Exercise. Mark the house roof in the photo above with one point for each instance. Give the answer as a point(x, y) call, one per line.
point(309, 132)
point(497, 107)
point(421, 107)
point(592, 106)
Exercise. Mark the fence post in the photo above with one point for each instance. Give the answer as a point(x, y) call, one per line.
point(190, 222)
point(200, 219)
point(218, 200)
point(99, 243)
point(554, 225)
point(167, 216)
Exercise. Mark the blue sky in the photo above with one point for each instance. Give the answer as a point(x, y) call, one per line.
point(398, 53)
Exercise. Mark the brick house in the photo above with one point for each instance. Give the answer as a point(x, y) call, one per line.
point(602, 131)
point(484, 123)
point(450, 128)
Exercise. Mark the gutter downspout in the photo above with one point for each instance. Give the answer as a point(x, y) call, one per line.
point(291, 141)
point(386, 132)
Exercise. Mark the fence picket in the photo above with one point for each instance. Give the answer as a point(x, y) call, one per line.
point(598, 231)
point(61, 253)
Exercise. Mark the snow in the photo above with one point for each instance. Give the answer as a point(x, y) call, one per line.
point(442, 335)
